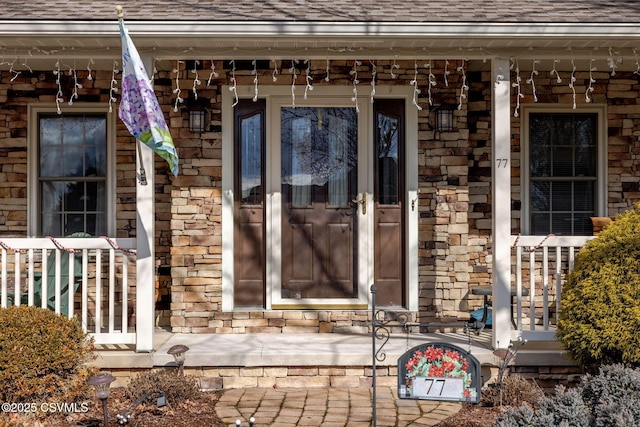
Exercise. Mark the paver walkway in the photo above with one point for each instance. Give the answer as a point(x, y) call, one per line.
point(328, 407)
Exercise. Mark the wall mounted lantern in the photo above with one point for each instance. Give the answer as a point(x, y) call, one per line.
point(444, 120)
point(197, 121)
point(197, 109)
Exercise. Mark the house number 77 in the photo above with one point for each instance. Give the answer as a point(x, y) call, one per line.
point(502, 163)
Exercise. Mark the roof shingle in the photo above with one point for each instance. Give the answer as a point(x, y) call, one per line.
point(481, 11)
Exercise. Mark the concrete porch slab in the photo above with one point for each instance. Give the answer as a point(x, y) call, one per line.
point(302, 349)
point(310, 349)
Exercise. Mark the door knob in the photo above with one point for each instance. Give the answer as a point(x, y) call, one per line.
point(363, 202)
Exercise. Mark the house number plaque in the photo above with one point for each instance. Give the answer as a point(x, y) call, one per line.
point(437, 388)
point(439, 371)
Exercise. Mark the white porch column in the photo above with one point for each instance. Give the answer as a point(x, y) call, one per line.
point(145, 243)
point(501, 202)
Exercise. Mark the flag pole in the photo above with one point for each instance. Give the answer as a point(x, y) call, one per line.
point(142, 176)
point(139, 108)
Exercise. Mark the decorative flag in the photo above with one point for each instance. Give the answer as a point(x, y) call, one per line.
point(139, 109)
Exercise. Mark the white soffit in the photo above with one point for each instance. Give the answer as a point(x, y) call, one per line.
point(371, 40)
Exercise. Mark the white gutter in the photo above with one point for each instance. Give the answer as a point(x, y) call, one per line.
point(247, 29)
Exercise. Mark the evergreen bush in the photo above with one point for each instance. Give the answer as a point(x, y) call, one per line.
point(42, 357)
point(609, 399)
point(600, 308)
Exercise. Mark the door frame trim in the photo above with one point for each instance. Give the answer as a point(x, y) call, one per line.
point(322, 96)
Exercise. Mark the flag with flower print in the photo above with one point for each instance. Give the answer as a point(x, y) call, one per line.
point(139, 109)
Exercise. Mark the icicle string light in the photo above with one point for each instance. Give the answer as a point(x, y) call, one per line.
point(554, 71)
point(355, 81)
point(76, 85)
point(613, 62)
point(431, 81)
point(294, 75)
point(572, 83)
point(394, 67)
point(464, 86)
point(254, 72)
point(274, 75)
point(234, 84)
point(89, 71)
point(531, 80)
point(374, 72)
point(153, 73)
point(196, 79)
point(213, 74)
point(15, 73)
point(414, 83)
point(177, 90)
point(18, 65)
point(25, 65)
point(113, 89)
point(308, 78)
point(326, 76)
point(590, 87)
point(446, 73)
point(517, 84)
point(59, 99)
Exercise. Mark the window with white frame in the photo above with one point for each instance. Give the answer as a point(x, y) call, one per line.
point(564, 175)
point(70, 173)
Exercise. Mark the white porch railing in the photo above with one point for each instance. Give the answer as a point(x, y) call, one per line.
point(36, 271)
point(541, 265)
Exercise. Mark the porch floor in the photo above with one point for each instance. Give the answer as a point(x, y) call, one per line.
point(309, 349)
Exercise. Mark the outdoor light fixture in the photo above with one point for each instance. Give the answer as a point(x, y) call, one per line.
point(198, 114)
point(251, 422)
point(197, 121)
point(178, 352)
point(444, 120)
point(102, 383)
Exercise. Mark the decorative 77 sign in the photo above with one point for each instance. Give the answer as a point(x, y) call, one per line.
point(436, 371)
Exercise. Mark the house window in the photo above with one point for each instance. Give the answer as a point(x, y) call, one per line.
point(72, 174)
point(563, 172)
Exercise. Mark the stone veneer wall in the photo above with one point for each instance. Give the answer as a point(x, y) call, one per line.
point(454, 183)
point(445, 248)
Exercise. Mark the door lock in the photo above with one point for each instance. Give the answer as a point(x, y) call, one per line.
point(363, 202)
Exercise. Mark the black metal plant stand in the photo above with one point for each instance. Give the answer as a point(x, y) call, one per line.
point(382, 321)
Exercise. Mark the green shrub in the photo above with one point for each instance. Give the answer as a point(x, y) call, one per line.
point(609, 399)
point(170, 382)
point(600, 312)
point(42, 357)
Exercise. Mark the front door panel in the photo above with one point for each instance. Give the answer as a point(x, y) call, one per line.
point(249, 223)
point(318, 183)
point(388, 202)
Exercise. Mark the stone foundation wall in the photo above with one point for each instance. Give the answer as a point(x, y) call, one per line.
point(219, 378)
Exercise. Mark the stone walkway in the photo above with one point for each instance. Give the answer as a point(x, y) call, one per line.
point(328, 407)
